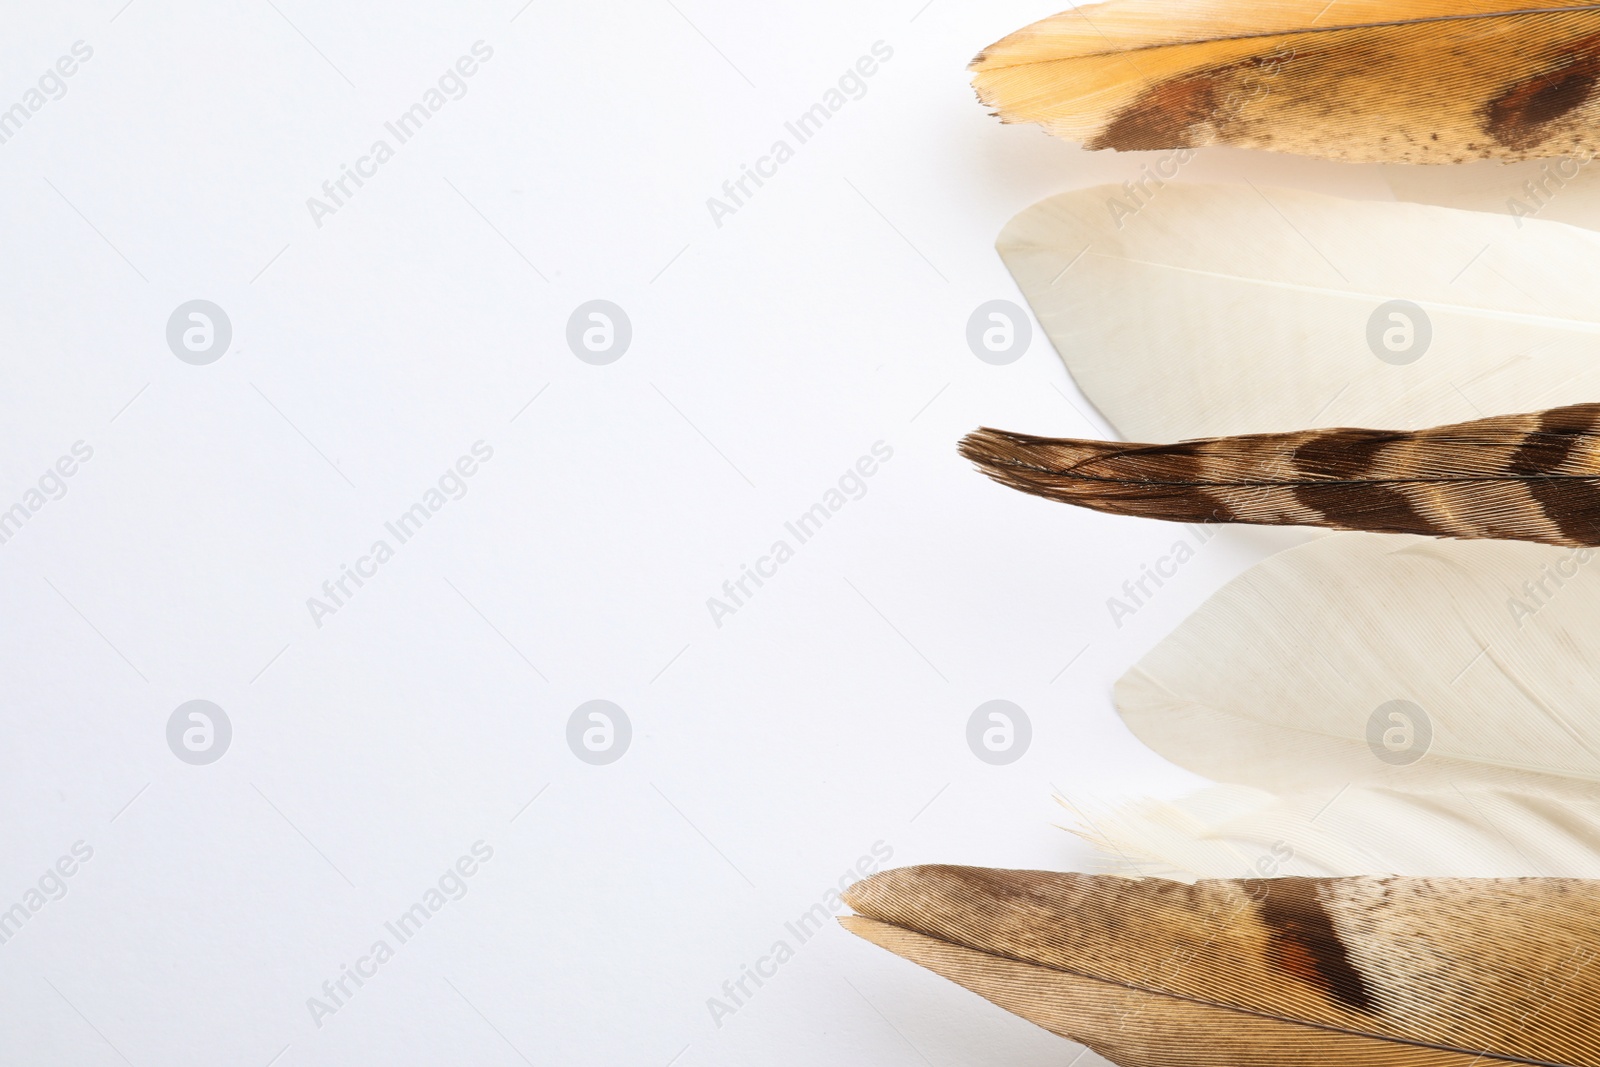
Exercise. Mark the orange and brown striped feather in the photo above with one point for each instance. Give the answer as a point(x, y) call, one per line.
point(1533, 477)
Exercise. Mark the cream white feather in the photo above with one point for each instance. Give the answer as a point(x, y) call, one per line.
point(1293, 674)
point(1245, 310)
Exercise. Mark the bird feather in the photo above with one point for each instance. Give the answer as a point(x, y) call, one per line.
point(1244, 310)
point(1288, 676)
point(1456, 903)
point(1533, 477)
point(1407, 81)
point(1422, 972)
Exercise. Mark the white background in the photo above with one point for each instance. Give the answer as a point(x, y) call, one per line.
point(769, 753)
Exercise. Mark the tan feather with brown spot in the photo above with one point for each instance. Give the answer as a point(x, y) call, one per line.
point(1423, 972)
point(1420, 81)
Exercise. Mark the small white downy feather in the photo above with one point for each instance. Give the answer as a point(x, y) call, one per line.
point(1246, 310)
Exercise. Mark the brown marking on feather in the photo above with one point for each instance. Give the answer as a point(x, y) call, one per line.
point(1166, 115)
point(1373, 506)
point(1575, 420)
point(1543, 452)
point(1342, 453)
point(1524, 116)
point(1173, 113)
point(1304, 942)
point(1570, 506)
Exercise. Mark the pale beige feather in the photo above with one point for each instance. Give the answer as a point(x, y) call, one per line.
point(1244, 310)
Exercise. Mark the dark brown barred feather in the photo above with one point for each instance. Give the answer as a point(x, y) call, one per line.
point(1532, 477)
